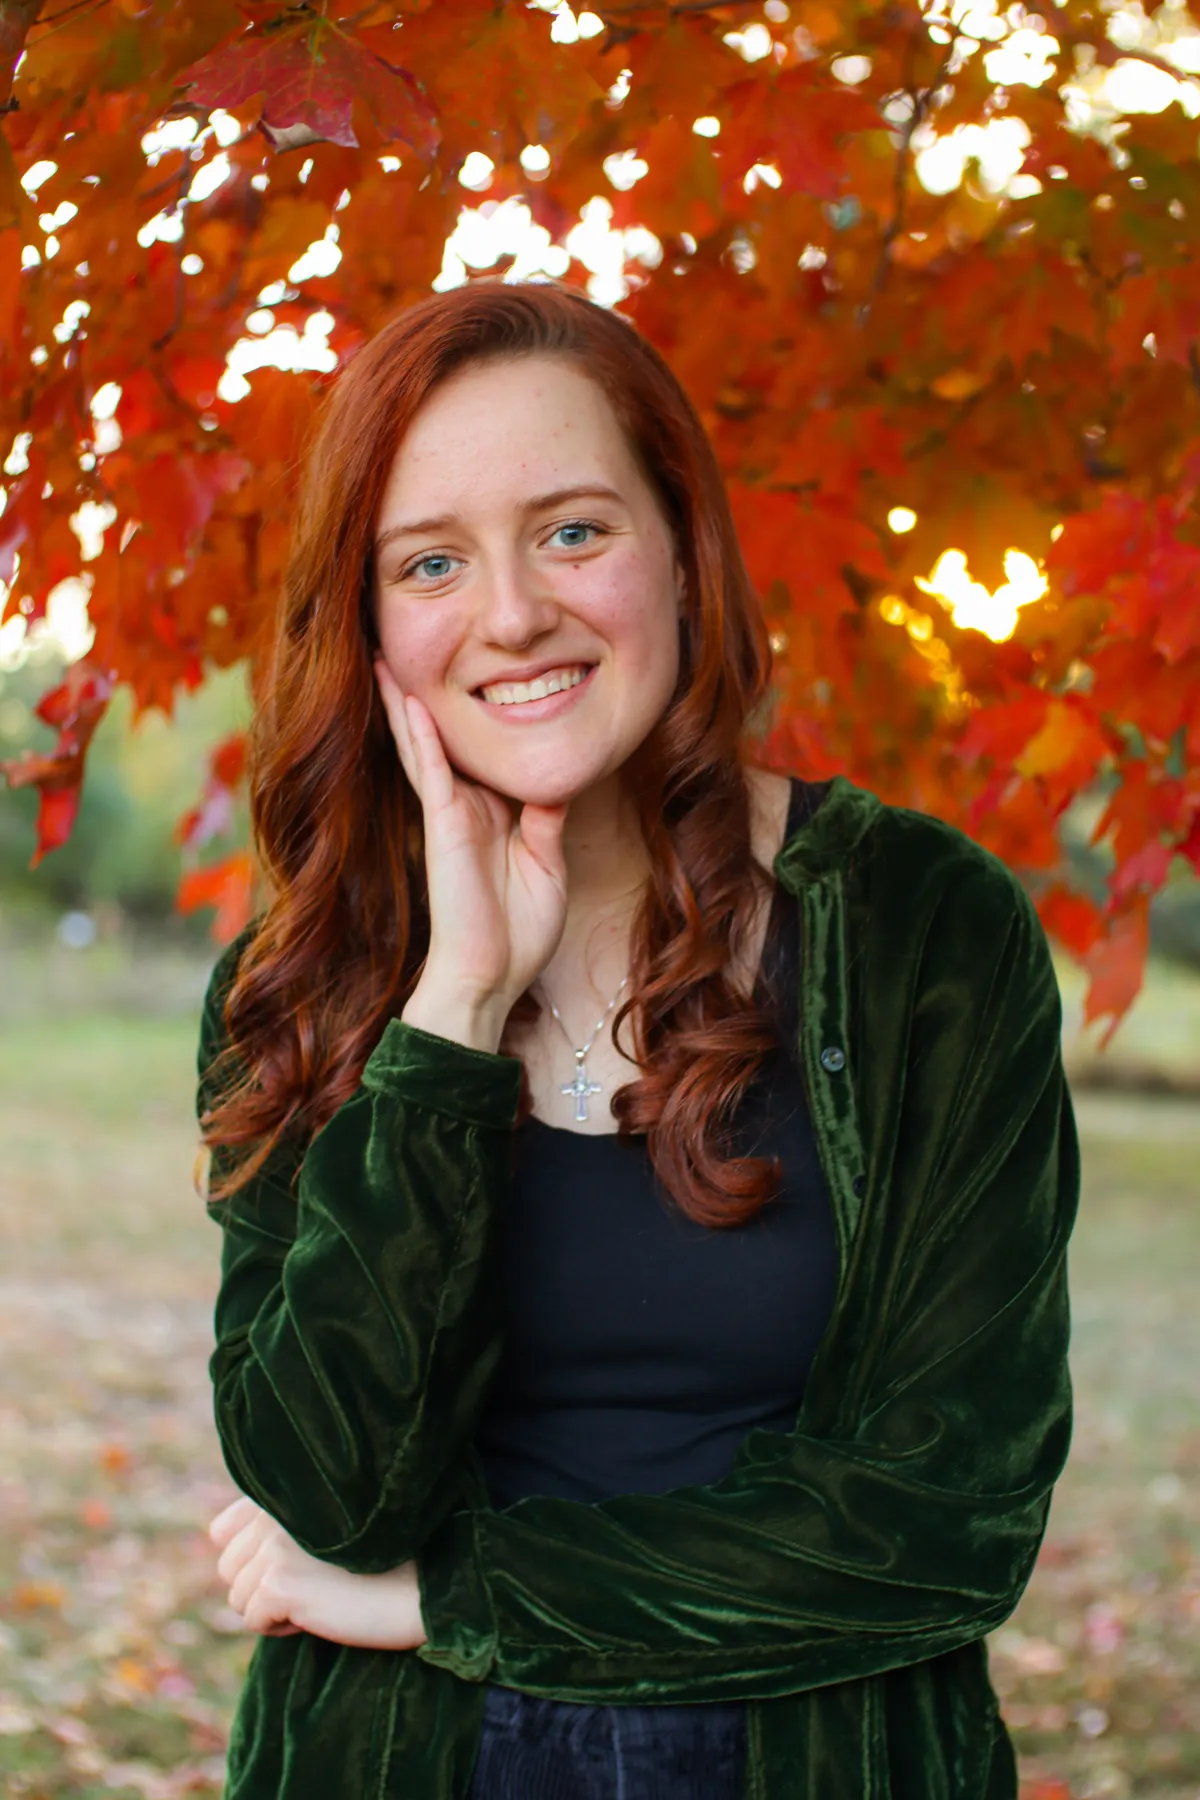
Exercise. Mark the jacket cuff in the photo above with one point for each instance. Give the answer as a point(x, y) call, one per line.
point(456, 1608)
point(444, 1076)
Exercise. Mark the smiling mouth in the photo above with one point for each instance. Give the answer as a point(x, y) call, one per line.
point(521, 696)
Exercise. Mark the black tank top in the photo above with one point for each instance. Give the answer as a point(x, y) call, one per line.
point(640, 1346)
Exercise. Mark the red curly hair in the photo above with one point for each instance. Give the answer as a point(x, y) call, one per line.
point(337, 825)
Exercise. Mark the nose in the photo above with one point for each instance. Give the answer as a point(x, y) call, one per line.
point(514, 604)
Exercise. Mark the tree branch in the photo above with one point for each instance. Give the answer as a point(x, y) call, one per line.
point(182, 179)
point(16, 17)
point(623, 23)
point(1109, 54)
point(921, 99)
point(66, 12)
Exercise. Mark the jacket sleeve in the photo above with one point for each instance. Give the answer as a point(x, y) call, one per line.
point(357, 1323)
point(824, 1558)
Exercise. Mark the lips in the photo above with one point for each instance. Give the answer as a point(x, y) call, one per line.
point(516, 677)
point(548, 707)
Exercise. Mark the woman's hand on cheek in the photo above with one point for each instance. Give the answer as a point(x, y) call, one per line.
point(497, 883)
point(395, 705)
point(280, 1589)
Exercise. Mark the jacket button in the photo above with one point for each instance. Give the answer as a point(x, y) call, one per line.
point(859, 1184)
point(832, 1058)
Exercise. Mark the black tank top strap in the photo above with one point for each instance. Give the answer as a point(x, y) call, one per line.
point(779, 970)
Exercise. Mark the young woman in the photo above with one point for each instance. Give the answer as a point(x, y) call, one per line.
point(645, 1179)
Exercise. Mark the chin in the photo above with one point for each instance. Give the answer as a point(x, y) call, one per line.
point(556, 784)
point(539, 791)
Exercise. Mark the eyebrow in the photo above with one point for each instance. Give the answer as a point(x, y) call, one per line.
point(540, 503)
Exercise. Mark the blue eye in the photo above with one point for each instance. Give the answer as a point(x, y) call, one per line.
point(421, 562)
point(429, 576)
point(426, 560)
point(577, 525)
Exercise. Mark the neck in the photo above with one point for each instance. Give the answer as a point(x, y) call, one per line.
point(607, 868)
point(606, 857)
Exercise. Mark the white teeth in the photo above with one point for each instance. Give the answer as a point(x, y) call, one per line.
point(511, 693)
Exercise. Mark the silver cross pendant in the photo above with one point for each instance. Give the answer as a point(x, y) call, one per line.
point(581, 1087)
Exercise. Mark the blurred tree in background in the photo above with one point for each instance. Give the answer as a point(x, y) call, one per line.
point(122, 853)
point(927, 271)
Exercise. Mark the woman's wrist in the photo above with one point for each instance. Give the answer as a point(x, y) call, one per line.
point(394, 1619)
point(477, 1023)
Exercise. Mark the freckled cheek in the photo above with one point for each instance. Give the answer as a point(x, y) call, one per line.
point(420, 646)
point(622, 603)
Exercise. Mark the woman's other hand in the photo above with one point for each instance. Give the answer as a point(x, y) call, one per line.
point(497, 883)
point(279, 1589)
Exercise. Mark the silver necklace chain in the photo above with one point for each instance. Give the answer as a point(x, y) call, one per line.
point(580, 1087)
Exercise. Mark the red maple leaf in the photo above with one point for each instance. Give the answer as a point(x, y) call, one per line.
point(797, 126)
point(308, 78)
point(1116, 964)
point(75, 707)
point(1071, 918)
point(228, 885)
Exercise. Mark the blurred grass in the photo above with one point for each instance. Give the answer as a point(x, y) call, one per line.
point(1157, 1041)
point(119, 1662)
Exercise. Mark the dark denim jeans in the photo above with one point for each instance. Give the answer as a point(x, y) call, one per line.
point(535, 1749)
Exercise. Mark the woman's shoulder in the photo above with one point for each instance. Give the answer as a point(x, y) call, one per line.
point(922, 846)
point(222, 974)
point(971, 911)
point(213, 1034)
point(841, 816)
point(928, 867)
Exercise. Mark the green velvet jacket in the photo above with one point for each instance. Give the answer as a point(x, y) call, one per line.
point(843, 1576)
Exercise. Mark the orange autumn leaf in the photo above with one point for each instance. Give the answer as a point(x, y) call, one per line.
point(228, 886)
point(1067, 736)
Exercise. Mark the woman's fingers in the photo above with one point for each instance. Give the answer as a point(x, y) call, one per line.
point(437, 778)
point(240, 1548)
point(417, 740)
point(247, 1578)
point(393, 699)
point(231, 1519)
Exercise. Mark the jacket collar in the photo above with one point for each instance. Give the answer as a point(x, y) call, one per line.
point(825, 839)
